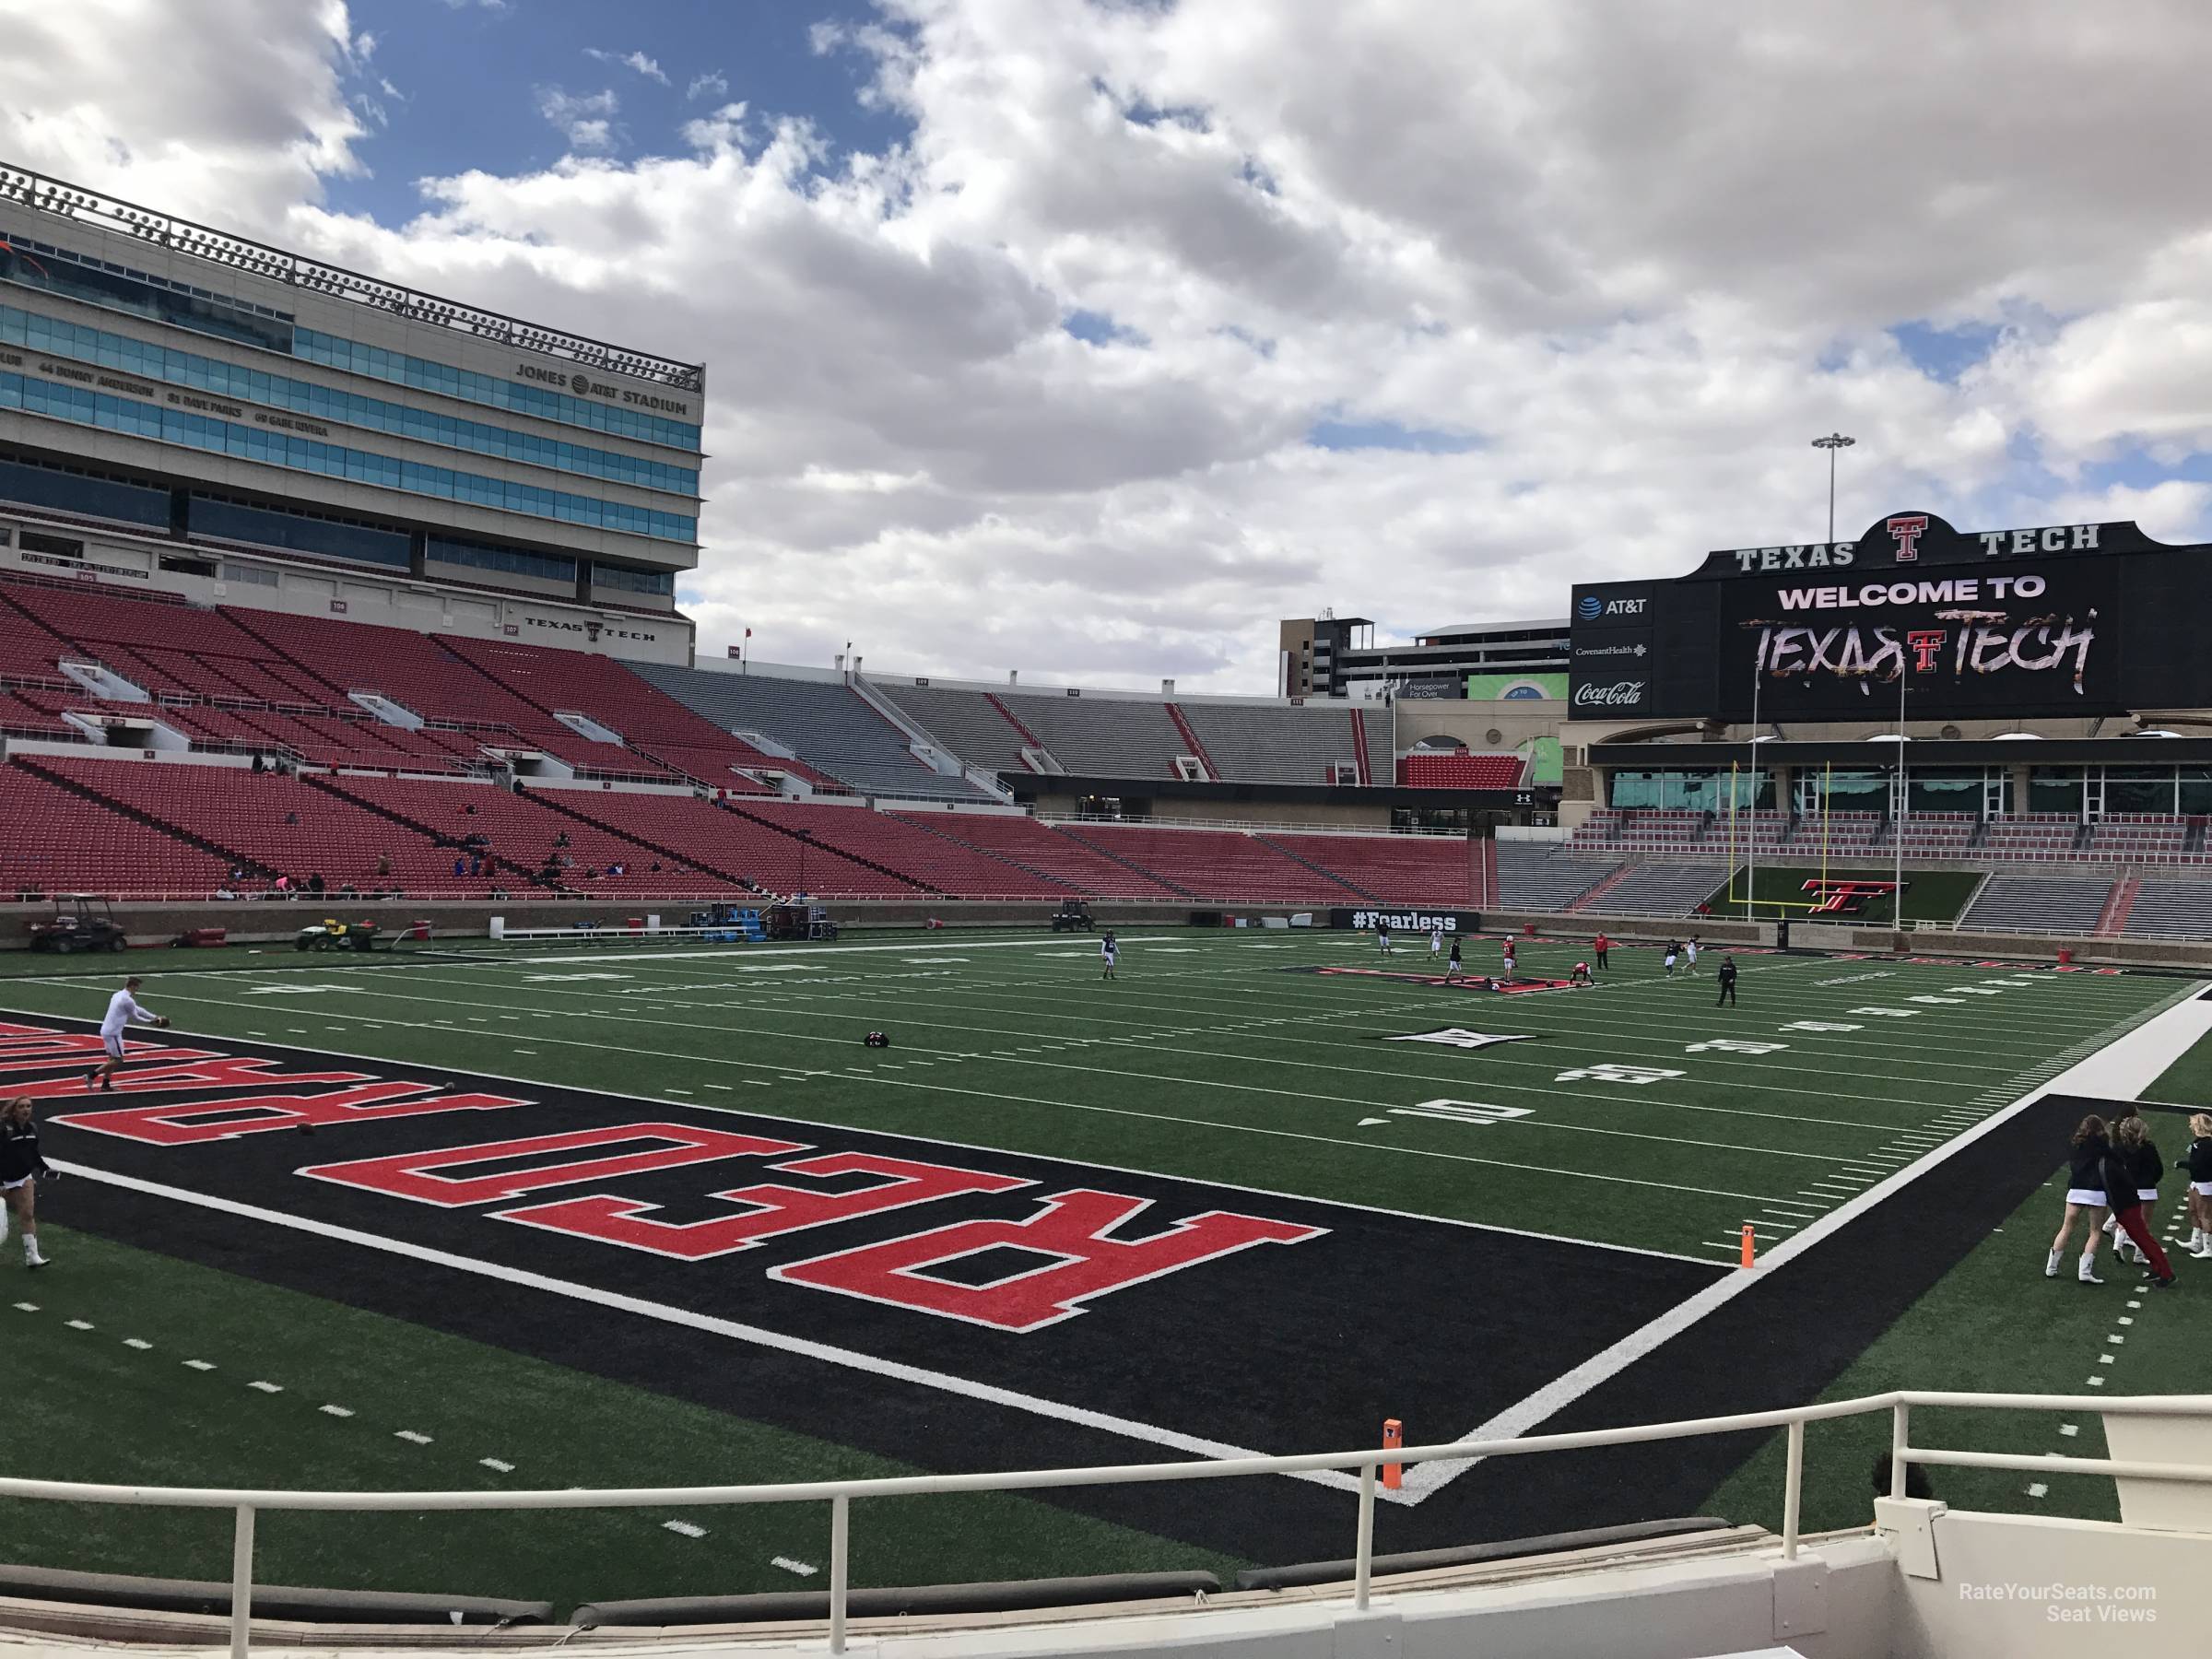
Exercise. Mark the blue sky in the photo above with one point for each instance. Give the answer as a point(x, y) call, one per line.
point(470, 79)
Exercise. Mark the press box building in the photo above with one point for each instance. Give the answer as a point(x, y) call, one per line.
point(189, 411)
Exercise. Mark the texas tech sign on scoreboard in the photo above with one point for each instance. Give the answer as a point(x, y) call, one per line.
point(2055, 619)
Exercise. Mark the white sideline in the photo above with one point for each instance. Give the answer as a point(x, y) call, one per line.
point(2164, 1038)
point(734, 1330)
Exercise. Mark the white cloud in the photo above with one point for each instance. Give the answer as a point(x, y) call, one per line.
point(1641, 257)
point(585, 120)
point(628, 60)
point(711, 84)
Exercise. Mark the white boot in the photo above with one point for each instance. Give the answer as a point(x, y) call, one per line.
point(2203, 1251)
point(2051, 1265)
point(31, 1258)
point(2087, 1275)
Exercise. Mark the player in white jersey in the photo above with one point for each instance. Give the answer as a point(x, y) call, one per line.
point(1436, 939)
point(123, 1009)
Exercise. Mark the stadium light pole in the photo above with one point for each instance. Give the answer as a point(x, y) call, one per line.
point(1831, 443)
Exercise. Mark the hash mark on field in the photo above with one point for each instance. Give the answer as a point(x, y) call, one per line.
point(2095, 1381)
point(723, 1088)
point(340, 1411)
point(756, 1083)
point(493, 1462)
point(681, 1091)
point(531, 1053)
point(136, 1342)
point(77, 1325)
point(2069, 1430)
point(410, 1436)
point(267, 1387)
point(801, 1568)
point(2036, 1488)
point(685, 1529)
point(200, 1365)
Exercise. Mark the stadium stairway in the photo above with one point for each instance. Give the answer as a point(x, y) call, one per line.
point(145, 819)
point(921, 821)
point(1589, 896)
point(551, 799)
point(1014, 720)
point(1336, 875)
point(1361, 759)
point(810, 832)
point(332, 786)
point(1190, 735)
point(231, 855)
point(2117, 905)
point(1075, 835)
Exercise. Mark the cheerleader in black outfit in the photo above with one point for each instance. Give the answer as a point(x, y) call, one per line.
point(2127, 1162)
point(20, 1167)
point(2198, 1163)
point(2084, 1197)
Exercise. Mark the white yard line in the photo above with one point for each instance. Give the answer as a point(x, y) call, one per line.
point(2161, 1037)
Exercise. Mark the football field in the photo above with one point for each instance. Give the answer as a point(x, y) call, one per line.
point(553, 1217)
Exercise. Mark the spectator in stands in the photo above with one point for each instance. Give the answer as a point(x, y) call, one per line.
point(617, 869)
point(383, 864)
point(460, 867)
point(225, 892)
point(284, 884)
point(561, 839)
point(237, 873)
point(314, 882)
point(291, 817)
point(475, 865)
point(656, 867)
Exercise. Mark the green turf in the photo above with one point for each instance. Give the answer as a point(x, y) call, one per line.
point(2188, 1081)
point(1779, 892)
point(85, 1405)
point(1206, 1059)
point(1996, 1325)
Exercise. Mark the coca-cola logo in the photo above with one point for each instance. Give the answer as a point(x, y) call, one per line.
point(1619, 694)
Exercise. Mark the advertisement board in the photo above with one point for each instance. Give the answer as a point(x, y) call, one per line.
point(2054, 620)
point(1516, 687)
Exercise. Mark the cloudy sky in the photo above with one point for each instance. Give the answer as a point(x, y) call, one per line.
point(1088, 337)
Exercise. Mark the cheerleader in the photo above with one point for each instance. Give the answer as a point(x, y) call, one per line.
point(2127, 1160)
point(20, 1167)
point(2084, 1197)
point(2198, 1160)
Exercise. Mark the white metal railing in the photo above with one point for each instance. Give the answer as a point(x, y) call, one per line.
point(246, 1504)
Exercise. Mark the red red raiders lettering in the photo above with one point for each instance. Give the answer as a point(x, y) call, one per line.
point(778, 1209)
point(1072, 1226)
point(414, 1175)
point(184, 1068)
point(186, 1123)
point(38, 1050)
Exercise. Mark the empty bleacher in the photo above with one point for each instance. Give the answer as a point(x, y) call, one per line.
point(1223, 865)
point(57, 840)
point(970, 723)
point(1426, 870)
point(1102, 737)
point(2171, 909)
point(1451, 768)
point(1044, 850)
point(1274, 744)
point(280, 824)
point(905, 849)
point(2028, 837)
point(2042, 904)
point(1666, 888)
point(743, 847)
point(828, 724)
point(2143, 838)
point(1538, 875)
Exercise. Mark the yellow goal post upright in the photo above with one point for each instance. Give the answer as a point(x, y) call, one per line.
point(1747, 898)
